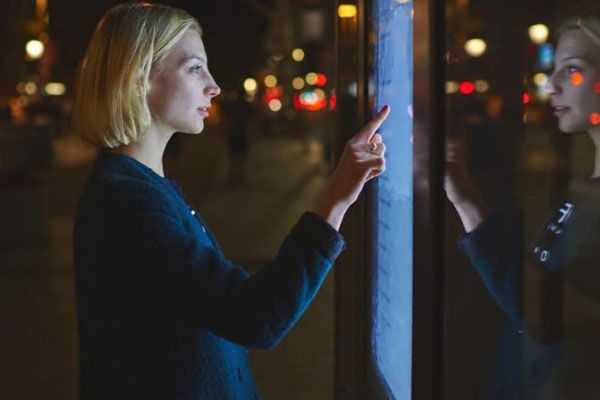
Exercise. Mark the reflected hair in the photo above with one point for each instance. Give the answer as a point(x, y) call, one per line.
point(583, 15)
point(129, 43)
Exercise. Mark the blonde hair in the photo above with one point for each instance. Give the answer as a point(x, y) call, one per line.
point(589, 25)
point(130, 41)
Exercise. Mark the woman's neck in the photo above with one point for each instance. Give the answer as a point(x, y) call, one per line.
point(595, 135)
point(149, 151)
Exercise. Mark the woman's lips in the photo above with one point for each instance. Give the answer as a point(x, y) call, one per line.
point(559, 111)
point(203, 111)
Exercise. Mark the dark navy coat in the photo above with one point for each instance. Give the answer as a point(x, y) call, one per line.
point(162, 313)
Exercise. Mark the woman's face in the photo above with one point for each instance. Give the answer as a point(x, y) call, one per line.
point(576, 82)
point(180, 93)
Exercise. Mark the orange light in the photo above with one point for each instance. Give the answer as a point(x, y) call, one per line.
point(526, 98)
point(595, 119)
point(466, 87)
point(577, 78)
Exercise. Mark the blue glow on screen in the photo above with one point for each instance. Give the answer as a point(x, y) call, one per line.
point(392, 300)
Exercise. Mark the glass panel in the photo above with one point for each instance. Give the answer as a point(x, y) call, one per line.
point(391, 84)
point(522, 298)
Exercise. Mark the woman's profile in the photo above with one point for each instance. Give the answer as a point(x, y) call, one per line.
point(162, 313)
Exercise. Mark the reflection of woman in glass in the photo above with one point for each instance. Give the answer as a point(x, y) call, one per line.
point(162, 314)
point(569, 242)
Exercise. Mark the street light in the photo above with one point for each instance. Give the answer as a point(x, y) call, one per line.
point(475, 47)
point(538, 33)
point(34, 49)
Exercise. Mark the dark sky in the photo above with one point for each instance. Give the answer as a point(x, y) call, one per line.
point(233, 33)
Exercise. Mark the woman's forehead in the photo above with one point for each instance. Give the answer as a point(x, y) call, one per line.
point(575, 44)
point(189, 46)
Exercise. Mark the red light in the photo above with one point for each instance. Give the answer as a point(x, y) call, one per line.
point(332, 102)
point(526, 98)
point(597, 87)
point(272, 93)
point(595, 119)
point(321, 80)
point(466, 87)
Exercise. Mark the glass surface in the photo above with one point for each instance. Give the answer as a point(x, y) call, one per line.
point(391, 84)
point(522, 300)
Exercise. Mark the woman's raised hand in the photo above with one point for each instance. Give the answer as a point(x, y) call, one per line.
point(363, 159)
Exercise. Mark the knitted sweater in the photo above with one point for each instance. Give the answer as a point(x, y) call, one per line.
point(162, 313)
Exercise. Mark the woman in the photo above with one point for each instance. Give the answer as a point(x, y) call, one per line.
point(567, 243)
point(162, 313)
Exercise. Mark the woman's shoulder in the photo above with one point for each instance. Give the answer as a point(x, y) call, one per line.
point(117, 181)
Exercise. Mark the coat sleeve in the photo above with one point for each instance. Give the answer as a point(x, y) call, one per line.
point(495, 249)
point(252, 310)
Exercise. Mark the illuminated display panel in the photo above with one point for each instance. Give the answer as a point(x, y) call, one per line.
point(392, 83)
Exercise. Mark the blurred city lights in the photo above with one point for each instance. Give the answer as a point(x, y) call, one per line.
point(34, 49)
point(250, 85)
point(595, 118)
point(540, 79)
point(278, 57)
point(481, 86)
point(275, 105)
point(597, 87)
point(298, 83)
point(526, 98)
point(30, 88)
point(466, 87)
point(346, 11)
point(321, 80)
point(311, 78)
point(576, 78)
point(546, 55)
point(298, 54)
point(55, 88)
point(451, 87)
point(270, 81)
point(538, 33)
point(475, 47)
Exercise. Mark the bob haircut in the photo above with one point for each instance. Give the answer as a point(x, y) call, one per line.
point(130, 41)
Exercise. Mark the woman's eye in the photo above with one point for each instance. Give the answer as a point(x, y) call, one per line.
point(572, 69)
point(195, 69)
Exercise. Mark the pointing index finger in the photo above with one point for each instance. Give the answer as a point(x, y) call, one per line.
point(367, 132)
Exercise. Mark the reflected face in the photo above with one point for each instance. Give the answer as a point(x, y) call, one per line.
point(180, 93)
point(576, 82)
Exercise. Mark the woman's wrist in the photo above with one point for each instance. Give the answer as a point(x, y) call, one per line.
point(331, 211)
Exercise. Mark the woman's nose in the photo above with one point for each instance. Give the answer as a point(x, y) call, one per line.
point(553, 84)
point(212, 90)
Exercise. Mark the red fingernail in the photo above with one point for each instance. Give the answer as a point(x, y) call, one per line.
point(385, 108)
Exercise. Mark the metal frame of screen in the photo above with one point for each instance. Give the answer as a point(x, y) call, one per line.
point(357, 374)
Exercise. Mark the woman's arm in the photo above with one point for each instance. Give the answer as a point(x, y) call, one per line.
point(362, 159)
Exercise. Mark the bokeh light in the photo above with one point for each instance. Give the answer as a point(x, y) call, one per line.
point(250, 85)
point(311, 78)
point(298, 83)
point(346, 11)
point(298, 54)
point(538, 33)
point(270, 81)
point(275, 105)
point(576, 78)
point(475, 47)
point(34, 49)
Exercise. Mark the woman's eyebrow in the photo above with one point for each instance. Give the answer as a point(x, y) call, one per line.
point(571, 58)
point(201, 59)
